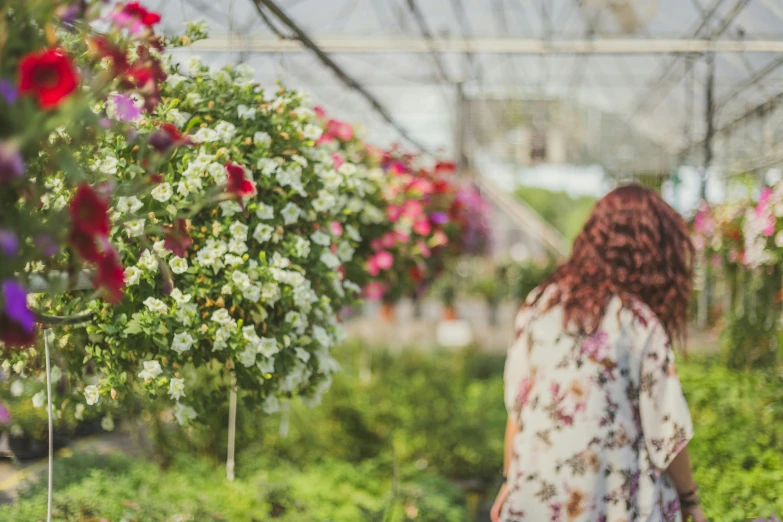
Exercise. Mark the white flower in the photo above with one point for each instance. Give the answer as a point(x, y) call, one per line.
point(226, 290)
point(175, 79)
point(179, 297)
point(177, 388)
point(236, 246)
point(268, 346)
point(194, 65)
point(270, 293)
point(205, 135)
point(156, 305)
point(251, 292)
point(159, 247)
point(347, 169)
point(299, 160)
point(184, 414)
point(267, 166)
point(779, 239)
point(91, 394)
point(345, 252)
point(78, 413)
point(18, 366)
point(221, 316)
point(222, 335)
point(129, 204)
point(319, 238)
point(230, 208)
point(182, 342)
point(243, 70)
point(178, 265)
point(107, 164)
point(233, 260)
point(177, 117)
point(107, 423)
point(218, 173)
point(246, 113)
point(353, 287)
point(151, 370)
point(294, 319)
point(248, 356)
point(312, 132)
point(193, 98)
point(135, 227)
point(56, 374)
point(171, 209)
point(320, 335)
point(301, 247)
point(302, 354)
point(324, 201)
point(353, 234)
point(240, 278)
point(132, 275)
point(225, 130)
point(265, 211)
point(262, 139)
point(207, 257)
point(185, 313)
point(290, 213)
point(263, 233)
point(17, 389)
point(330, 260)
point(238, 230)
point(39, 399)
point(148, 261)
point(271, 405)
point(219, 75)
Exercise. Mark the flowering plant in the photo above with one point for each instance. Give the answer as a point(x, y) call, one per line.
point(54, 215)
point(257, 293)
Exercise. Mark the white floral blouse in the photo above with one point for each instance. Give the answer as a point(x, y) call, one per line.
point(601, 418)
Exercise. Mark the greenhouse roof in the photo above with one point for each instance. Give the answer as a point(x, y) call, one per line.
point(644, 61)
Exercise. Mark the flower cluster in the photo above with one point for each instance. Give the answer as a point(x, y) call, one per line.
point(260, 286)
point(55, 210)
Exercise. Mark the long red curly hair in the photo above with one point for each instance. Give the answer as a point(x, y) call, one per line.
point(634, 246)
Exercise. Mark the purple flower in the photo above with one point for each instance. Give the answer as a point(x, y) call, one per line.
point(47, 245)
point(16, 309)
point(11, 163)
point(9, 243)
point(8, 91)
point(125, 107)
point(439, 218)
point(5, 415)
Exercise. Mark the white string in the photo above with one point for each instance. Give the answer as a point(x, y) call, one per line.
point(47, 334)
point(232, 425)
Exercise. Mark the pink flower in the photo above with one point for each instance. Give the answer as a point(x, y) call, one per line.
point(770, 228)
point(439, 238)
point(422, 227)
point(384, 260)
point(716, 260)
point(524, 391)
point(397, 168)
point(374, 290)
point(320, 113)
point(325, 138)
point(423, 186)
point(336, 228)
point(388, 240)
point(424, 249)
point(412, 209)
point(338, 160)
point(372, 266)
point(340, 130)
point(401, 237)
point(375, 244)
point(393, 213)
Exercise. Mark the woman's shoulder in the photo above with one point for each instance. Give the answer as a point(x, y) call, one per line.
point(640, 315)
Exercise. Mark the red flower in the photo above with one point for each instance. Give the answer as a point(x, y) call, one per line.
point(85, 245)
point(141, 13)
point(48, 75)
point(177, 238)
point(168, 136)
point(238, 184)
point(13, 334)
point(106, 49)
point(110, 276)
point(445, 167)
point(89, 212)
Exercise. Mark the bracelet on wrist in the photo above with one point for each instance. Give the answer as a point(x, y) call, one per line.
point(688, 494)
point(690, 502)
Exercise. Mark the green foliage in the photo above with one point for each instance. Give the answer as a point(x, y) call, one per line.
point(566, 213)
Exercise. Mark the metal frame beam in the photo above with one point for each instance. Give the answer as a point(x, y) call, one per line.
point(492, 45)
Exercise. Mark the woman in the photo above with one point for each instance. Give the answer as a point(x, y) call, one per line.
point(598, 425)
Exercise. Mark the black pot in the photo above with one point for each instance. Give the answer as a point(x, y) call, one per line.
point(30, 448)
point(88, 427)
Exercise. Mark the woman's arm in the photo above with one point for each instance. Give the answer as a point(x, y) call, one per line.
point(512, 428)
point(681, 473)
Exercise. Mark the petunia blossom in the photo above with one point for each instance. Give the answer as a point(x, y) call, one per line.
point(177, 239)
point(48, 75)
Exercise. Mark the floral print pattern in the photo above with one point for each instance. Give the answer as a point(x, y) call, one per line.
point(601, 418)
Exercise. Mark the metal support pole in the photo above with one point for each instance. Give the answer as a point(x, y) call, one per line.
point(704, 298)
point(48, 333)
point(232, 427)
point(461, 130)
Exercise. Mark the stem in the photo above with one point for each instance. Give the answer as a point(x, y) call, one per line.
point(62, 320)
point(49, 333)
